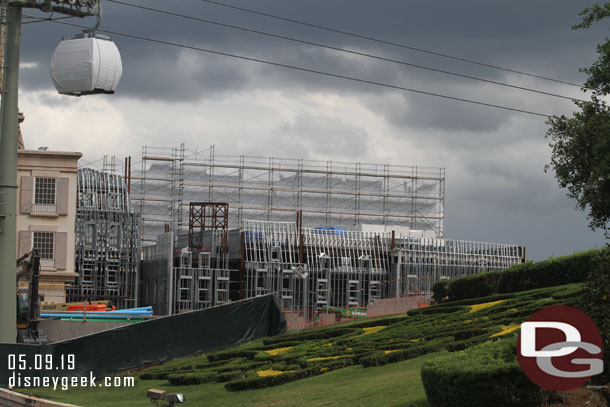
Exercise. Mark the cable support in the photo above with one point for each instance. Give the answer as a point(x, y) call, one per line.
point(362, 54)
point(296, 68)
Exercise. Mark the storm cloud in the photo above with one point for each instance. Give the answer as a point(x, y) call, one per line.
point(496, 189)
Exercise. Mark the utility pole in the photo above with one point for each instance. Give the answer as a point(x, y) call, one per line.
point(8, 176)
point(8, 151)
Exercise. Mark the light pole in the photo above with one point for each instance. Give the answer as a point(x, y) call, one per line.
point(8, 153)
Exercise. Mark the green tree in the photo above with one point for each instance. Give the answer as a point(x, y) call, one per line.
point(595, 302)
point(581, 143)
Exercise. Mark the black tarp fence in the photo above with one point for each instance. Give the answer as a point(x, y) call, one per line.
point(144, 343)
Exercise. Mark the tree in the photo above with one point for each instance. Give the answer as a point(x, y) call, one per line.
point(595, 302)
point(581, 143)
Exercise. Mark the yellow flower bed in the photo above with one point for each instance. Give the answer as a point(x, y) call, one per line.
point(478, 307)
point(414, 340)
point(506, 330)
point(270, 372)
point(274, 352)
point(390, 351)
point(467, 321)
point(372, 329)
point(327, 358)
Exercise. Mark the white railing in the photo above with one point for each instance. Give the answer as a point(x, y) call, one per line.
point(47, 263)
point(44, 208)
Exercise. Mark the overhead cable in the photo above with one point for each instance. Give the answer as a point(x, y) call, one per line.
point(470, 61)
point(344, 50)
point(297, 68)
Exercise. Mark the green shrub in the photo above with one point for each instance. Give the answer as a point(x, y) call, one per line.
point(436, 310)
point(595, 302)
point(527, 276)
point(440, 290)
point(481, 376)
point(187, 379)
point(381, 358)
point(308, 336)
point(226, 355)
point(261, 382)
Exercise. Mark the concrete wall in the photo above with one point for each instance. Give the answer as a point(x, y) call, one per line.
point(61, 330)
point(11, 399)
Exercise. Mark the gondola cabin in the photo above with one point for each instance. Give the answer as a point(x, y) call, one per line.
point(86, 65)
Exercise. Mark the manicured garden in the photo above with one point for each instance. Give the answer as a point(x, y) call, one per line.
point(461, 349)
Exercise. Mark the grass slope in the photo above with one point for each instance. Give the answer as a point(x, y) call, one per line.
point(362, 362)
point(398, 384)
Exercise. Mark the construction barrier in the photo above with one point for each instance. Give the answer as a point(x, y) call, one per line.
point(145, 343)
point(394, 305)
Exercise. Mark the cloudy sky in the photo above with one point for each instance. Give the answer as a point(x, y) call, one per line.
point(496, 187)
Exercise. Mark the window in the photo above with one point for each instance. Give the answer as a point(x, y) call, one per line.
point(45, 242)
point(44, 191)
point(44, 195)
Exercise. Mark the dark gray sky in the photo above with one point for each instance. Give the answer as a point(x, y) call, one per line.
point(496, 187)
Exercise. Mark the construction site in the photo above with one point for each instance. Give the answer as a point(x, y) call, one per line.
point(107, 257)
point(322, 235)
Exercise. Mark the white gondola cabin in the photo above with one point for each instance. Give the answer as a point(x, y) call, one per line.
point(86, 65)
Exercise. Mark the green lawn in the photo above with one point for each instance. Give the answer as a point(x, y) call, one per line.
point(398, 384)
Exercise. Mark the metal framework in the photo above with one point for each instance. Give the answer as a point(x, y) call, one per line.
point(207, 216)
point(176, 281)
point(310, 268)
point(107, 256)
point(353, 269)
point(328, 193)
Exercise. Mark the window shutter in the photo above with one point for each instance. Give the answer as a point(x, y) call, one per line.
point(27, 194)
point(61, 195)
point(61, 246)
point(25, 242)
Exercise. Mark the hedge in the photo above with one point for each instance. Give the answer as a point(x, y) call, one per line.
point(548, 273)
point(260, 382)
point(248, 354)
point(481, 376)
point(306, 336)
point(436, 310)
point(381, 358)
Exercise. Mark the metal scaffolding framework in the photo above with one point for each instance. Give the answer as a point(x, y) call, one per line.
point(107, 256)
point(329, 193)
point(338, 268)
point(310, 269)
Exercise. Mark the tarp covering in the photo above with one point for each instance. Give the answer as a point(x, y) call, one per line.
point(148, 342)
point(86, 65)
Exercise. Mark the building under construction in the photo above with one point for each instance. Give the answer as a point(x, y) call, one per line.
point(351, 196)
point(319, 233)
point(310, 268)
point(107, 241)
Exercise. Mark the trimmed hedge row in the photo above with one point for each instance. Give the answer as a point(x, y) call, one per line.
point(481, 376)
point(307, 336)
point(552, 272)
point(436, 310)
point(381, 358)
point(248, 354)
point(261, 382)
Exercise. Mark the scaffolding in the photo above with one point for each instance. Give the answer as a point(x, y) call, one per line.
point(107, 256)
point(313, 268)
point(328, 193)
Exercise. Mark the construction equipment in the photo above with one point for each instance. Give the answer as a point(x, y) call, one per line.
point(351, 312)
point(28, 300)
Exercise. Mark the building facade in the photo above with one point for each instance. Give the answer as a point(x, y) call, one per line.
point(46, 215)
